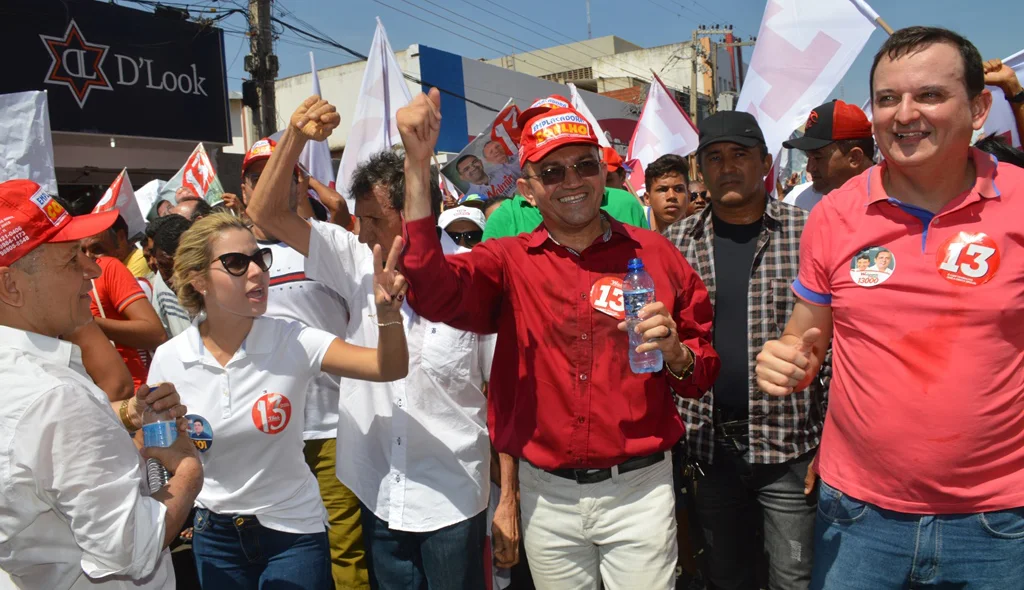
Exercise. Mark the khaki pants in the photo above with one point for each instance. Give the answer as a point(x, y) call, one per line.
point(348, 557)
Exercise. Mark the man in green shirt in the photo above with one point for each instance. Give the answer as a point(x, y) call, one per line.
point(517, 215)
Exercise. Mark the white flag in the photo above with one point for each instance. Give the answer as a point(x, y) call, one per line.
point(121, 196)
point(374, 127)
point(804, 48)
point(197, 176)
point(579, 105)
point(663, 128)
point(316, 156)
point(26, 150)
point(1000, 119)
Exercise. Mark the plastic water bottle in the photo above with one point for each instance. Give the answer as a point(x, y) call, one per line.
point(638, 291)
point(159, 429)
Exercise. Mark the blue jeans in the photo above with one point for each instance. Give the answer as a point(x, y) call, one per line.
point(451, 558)
point(237, 552)
point(861, 546)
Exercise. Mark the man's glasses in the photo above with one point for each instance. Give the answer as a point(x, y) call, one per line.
point(237, 264)
point(470, 238)
point(254, 178)
point(702, 195)
point(556, 174)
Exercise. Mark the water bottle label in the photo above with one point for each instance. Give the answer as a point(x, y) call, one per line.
point(636, 300)
point(606, 297)
point(159, 434)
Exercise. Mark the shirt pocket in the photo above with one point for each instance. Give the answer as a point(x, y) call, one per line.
point(783, 300)
point(446, 355)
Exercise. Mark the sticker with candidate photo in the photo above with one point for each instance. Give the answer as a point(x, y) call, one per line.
point(872, 266)
point(200, 431)
point(968, 259)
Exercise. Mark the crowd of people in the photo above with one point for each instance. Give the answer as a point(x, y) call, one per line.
point(418, 394)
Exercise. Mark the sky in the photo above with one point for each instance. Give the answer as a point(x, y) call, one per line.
point(994, 26)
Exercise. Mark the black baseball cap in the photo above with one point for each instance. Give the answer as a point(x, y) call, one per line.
point(830, 123)
point(732, 126)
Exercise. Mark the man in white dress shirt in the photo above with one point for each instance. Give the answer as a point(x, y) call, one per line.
point(75, 511)
point(416, 451)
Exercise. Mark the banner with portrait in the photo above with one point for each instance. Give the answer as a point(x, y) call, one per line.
point(489, 165)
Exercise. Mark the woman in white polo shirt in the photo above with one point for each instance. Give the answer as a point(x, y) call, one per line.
point(259, 520)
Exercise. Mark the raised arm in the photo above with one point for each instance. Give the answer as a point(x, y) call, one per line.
point(999, 74)
point(141, 328)
point(269, 207)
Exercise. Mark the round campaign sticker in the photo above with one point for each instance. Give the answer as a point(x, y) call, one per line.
point(200, 431)
point(606, 297)
point(271, 413)
point(968, 259)
point(872, 266)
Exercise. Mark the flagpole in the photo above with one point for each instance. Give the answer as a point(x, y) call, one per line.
point(884, 25)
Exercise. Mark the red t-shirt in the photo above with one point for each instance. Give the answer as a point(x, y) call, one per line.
point(926, 405)
point(561, 392)
point(117, 289)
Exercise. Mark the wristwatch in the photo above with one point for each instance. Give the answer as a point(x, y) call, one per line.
point(1016, 98)
point(687, 371)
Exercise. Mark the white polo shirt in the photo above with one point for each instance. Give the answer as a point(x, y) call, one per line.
point(75, 510)
point(294, 296)
point(414, 451)
point(255, 407)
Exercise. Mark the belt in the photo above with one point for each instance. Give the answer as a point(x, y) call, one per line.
point(726, 424)
point(599, 475)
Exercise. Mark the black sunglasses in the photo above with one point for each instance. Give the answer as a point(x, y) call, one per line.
point(556, 174)
point(237, 263)
point(471, 238)
point(699, 195)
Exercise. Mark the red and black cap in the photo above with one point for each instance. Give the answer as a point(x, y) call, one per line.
point(830, 123)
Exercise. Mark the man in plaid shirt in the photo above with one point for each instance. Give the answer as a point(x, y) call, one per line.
point(754, 450)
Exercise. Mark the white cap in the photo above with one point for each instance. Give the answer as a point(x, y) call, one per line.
point(456, 213)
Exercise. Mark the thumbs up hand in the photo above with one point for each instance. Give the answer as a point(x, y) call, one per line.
point(788, 364)
point(419, 124)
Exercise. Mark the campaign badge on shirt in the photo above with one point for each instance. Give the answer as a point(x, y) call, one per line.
point(200, 431)
point(872, 266)
point(968, 259)
point(606, 297)
point(271, 413)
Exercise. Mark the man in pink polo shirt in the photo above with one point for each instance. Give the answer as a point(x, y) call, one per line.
point(921, 462)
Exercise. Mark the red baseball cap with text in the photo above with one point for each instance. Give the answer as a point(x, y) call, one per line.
point(260, 150)
point(550, 129)
point(29, 218)
point(829, 123)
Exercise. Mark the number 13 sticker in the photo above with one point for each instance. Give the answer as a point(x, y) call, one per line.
point(606, 297)
point(271, 413)
point(968, 259)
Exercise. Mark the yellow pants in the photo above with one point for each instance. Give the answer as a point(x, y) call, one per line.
point(348, 556)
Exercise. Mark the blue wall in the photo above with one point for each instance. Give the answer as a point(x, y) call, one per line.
point(443, 70)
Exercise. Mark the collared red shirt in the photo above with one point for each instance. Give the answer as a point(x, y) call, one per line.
point(561, 391)
point(781, 428)
point(113, 291)
point(75, 510)
point(414, 451)
point(926, 405)
point(255, 407)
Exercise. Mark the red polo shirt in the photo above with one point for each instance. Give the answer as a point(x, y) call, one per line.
point(926, 406)
point(561, 392)
point(118, 288)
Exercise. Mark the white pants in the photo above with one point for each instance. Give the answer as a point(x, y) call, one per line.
point(621, 531)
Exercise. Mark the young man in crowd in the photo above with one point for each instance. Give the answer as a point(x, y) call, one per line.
point(596, 495)
point(77, 509)
point(415, 452)
point(754, 454)
point(294, 295)
point(839, 146)
point(165, 300)
point(114, 243)
point(667, 196)
point(922, 469)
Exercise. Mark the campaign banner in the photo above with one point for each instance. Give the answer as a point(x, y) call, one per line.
point(26, 149)
point(663, 128)
point(121, 197)
point(196, 177)
point(116, 70)
point(489, 165)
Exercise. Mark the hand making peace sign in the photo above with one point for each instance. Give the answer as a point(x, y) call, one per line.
point(389, 286)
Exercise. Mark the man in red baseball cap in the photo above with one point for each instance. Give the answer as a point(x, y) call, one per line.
point(592, 438)
point(839, 146)
point(71, 476)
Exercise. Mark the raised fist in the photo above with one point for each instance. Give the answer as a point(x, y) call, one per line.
point(419, 123)
point(315, 119)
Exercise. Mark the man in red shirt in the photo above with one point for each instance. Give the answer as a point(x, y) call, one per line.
point(921, 463)
point(593, 438)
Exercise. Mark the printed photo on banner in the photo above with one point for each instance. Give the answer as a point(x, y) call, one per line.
point(872, 266)
point(489, 165)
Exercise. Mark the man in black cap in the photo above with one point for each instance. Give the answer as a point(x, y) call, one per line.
point(838, 143)
point(754, 455)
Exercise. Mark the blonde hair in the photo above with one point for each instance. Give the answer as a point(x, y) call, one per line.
point(195, 255)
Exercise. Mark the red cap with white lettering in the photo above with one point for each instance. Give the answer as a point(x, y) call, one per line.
point(29, 218)
point(550, 129)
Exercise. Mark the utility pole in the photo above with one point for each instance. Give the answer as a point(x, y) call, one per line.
point(588, 20)
point(261, 64)
point(693, 77)
point(703, 31)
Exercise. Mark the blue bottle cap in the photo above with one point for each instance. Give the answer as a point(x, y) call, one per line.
point(635, 264)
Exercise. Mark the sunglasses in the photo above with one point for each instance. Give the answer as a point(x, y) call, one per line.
point(471, 238)
point(255, 178)
point(556, 174)
point(699, 195)
point(237, 264)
